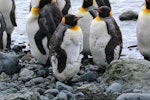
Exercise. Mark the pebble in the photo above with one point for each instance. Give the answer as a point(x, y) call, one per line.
point(89, 76)
point(61, 86)
point(114, 88)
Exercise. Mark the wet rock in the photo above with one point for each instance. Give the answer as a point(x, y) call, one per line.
point(134, 96)
point(129, 15)
point(130, 73)
point(26, 73)
point(42, 72)
point(70, 96)
point(61, 96)
point(89, 76)
point(9, 64)
point(17, 48)
point(53, 92)
point(44, 98)
point(61, 86)
point(4, 77)
point(114, 88)
point(38, 80)
point(87, 88)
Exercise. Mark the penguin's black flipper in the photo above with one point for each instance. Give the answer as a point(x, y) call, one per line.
point(103, 3)
point(116, 38)
point(12, 14)
point(107, 3)
point(66, 7)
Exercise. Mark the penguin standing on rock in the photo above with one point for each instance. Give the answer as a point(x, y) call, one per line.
point(3, 34)
point(7, 8)
point(143, 30)
point(66, 44)
point(105, 38)
point(88, 14)
point(33, 27)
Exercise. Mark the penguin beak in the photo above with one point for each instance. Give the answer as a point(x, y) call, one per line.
point(98, 10)
point(76, 19)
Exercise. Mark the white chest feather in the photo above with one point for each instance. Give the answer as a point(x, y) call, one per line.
point(85, 23)
point(72, 44)
point(143, 33)
point(99, 38)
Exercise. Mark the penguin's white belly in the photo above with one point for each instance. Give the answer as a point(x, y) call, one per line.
point(143, 34)
point(5, 8)
point(4, 39)
point(99, 39)
point(85, 23)
point(32, 28)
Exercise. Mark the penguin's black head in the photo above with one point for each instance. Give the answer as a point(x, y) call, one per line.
point(70, 19)
point(104, 11)
point(42, 3)
point(103, 3)
point(147, 4)
point(87, 3)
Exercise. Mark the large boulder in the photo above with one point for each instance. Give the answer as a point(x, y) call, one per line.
point(131, 73)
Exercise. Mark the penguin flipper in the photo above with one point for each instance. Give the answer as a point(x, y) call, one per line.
point(66, 7)
point(12, 14)
point(38, 40)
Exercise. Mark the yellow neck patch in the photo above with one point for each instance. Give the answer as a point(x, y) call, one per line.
point(35, 11)
point(63, 20)
point(52, 1)
point(75, 28)
point(110, 13)
point(97, 18)
point(82, 10)
point(146, 11)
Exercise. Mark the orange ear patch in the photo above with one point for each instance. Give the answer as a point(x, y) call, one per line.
point(35, 10)
point(75, 28)
point(146, 11)
point(97, 18)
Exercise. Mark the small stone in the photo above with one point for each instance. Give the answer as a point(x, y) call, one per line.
point(17, 48)
point(25, 73)
point(79, 95)
point(44, 98)
point(61, 86)
point(62, 96)
point(38, 80)
point(114, 88)
point(54, 92)
point(89, 76)
point(42, 72)
point(4, 77)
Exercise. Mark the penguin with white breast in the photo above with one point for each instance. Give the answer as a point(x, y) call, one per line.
point(7, 8)
point(64, 6)
point(105, 38)
point(32, 28)
point(3, 34)
point(49, 18)
point(143, 31)
point(66, 44)
point(88, 14)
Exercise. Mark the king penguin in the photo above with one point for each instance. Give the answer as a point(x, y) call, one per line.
point(142, 31)
point(3, 34)
point(7, 8)
point(105, 38)
point(66, 44)
point(32, 28)
point(88, 14)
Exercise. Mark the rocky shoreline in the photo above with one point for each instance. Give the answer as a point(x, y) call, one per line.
point(124, 79)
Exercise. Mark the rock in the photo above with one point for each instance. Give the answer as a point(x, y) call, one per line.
point(79, 95)
point(17, 48)
point(134, 96)
point(53, 92)
point(61, 86)
point(42, 72)
point(87, 88)
point(9, 64)
point(89, 76)
point(129, 15)
point(114, 88)
point(38, 80)
point(131, 73)
point(19, 96)
point(44, 98)
point(4, 77)
point(62, 96)
point(25, 73)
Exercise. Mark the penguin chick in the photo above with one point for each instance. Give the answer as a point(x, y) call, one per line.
point(7, 8)
point(88, 14)
point(105, 38)
point(66, 44)
point(142, 30)
point(33, 28)
point(64, 6)
point(3, 34)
